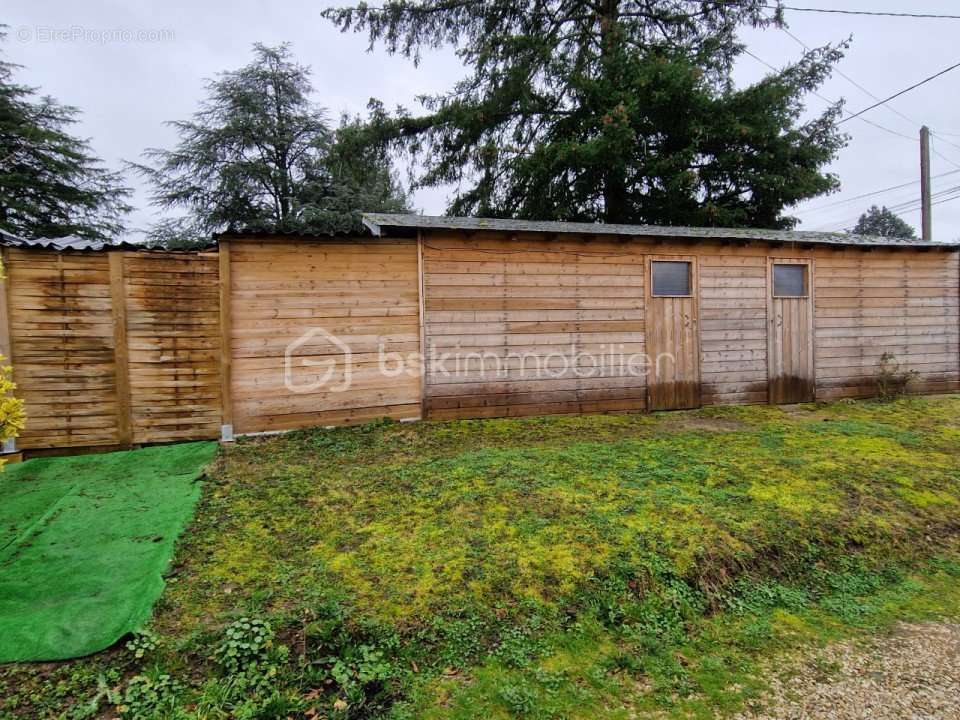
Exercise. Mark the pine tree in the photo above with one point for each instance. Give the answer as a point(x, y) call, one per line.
point(608, 110)
point(355, 176)
point(260, 155)
point(51, 184)
point(883, 222)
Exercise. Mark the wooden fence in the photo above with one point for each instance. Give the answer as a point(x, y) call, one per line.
point(284, 299)
point(114, 348)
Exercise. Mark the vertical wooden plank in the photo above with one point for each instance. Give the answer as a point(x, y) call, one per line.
point(771, 336)
point(6, 345)
point(694, 335)
point(6, 341)
point(652, 324)
point(812, 327)
point(423, 337)
point(226, 351)
point(121, 351)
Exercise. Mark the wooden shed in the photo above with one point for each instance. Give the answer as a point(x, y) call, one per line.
point(737, 316)
point(443, 317)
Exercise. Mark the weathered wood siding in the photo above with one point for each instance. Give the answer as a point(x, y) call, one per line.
point(900, 302)
point(113, 348)
point(295, 294)
point(500, 295)
point(62, 343)
point(536, 301)
point(173, 335)
point(122, 348)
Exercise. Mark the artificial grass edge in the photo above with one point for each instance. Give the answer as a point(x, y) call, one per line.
point(89, 568)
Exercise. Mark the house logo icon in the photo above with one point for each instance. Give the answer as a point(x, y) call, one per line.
point(317, 360)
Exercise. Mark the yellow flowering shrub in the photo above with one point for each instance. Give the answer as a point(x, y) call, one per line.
point(11, 409)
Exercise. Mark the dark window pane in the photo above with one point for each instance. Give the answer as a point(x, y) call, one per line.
point(789, 280)
point(671, 278)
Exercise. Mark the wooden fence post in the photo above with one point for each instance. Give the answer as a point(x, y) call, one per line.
point(6, 342)
point(121, 351)
point(226, 397)
point(6, 348)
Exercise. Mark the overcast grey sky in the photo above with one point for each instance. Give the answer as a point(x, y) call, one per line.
point(128, 87)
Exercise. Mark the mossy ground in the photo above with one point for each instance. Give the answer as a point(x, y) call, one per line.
point(595, 566)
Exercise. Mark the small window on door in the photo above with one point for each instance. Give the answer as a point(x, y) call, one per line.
point(789, 280)
point(670, 278)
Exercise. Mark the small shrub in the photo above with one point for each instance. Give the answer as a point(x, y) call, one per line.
point(361, 672)
point(12, 416)
point(248, 643)
point(551, 681)
point(142, 644)
point(754, 596)
point(519, 699)
point(892, 382)
point(458, 640)
point(147, 697)
point(520, 645)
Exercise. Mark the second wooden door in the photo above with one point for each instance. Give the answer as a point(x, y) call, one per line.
point(673, 334)
point(790, 352)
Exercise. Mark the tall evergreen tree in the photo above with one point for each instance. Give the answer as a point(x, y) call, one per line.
point(884, 222)
point(51, 184)
point(355, 176)
point(609, 110)
point(259, 154)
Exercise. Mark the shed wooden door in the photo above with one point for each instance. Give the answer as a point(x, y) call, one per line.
point(673, 333)
point(790, 336)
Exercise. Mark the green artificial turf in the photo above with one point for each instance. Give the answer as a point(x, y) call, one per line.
point(84, 542)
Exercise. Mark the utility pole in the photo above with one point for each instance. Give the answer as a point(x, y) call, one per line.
point(927, 221)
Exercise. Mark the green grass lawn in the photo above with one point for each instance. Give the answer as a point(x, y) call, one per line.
point(572, 567)
point(83, 543)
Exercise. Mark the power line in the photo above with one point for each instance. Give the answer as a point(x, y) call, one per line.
point(874, 13)
point(944, 157)
point(951, 144)
point(955, 196)
point(913, 205)
point(875, 97)
point(907, 206)
point(902, 92)
point(834, 102)
point(853, 82)
point(869, 13)
point(874, 192)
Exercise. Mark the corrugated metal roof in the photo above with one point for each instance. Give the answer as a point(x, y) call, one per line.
point(71, 242)
point(9, 239)
point(296, 233)
point(378, 222)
